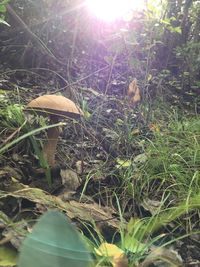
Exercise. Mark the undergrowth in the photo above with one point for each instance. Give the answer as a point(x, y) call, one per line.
point(173, 159)
point(157, 166)
point(162, 176)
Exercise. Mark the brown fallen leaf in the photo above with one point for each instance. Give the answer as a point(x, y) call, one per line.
point(161, 256)
point(83, 211)
point(133, 93)
point(154, 127)
point(120, 261)
point(70, 179)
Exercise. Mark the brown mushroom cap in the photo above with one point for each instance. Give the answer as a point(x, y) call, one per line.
point(56, 105)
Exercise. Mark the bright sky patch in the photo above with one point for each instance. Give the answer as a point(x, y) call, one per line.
point(111, 10)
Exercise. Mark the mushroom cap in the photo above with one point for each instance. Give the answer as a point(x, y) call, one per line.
point(55, 105)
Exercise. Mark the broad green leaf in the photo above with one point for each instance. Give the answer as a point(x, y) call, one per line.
point(54, 242)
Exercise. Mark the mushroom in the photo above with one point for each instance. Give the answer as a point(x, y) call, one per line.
point(55, 107)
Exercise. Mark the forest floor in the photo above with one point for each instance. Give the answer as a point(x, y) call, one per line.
point(115, 164)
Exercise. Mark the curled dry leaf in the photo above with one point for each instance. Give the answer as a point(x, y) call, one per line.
point(153, 206)
point(160, 256)
point(133, 93)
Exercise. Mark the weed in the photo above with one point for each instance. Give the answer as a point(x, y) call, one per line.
point(15, 123)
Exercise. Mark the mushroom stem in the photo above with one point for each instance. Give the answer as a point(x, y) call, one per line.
point(49, 148)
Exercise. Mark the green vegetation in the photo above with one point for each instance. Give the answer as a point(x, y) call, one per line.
point(127, 174)
point(173, 157)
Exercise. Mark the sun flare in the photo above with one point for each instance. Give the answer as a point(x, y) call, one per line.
point(110, 10)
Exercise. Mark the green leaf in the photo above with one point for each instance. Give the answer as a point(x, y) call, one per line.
point(4, 2)
point(123, 163)
point(2, 8)
point(15, 141)
point(54, 242)
point(4, 22)
point(8, 257)
point(119, 122)
point(177, 29)
point(133, 245)
point(141, 158)
point(174, 29)
point(165, 21)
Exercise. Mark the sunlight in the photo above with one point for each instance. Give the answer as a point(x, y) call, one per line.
point(111, 10)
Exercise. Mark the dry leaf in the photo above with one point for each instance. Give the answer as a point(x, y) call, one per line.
point(70, 179)
point(82, 211)
point(8, 257)
point(161, 256)
point(109, 250)
point(120, 261)
point(117, 255)
point(153, 206)
point(134, 93)
point(154, 127)
point(135, 131)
